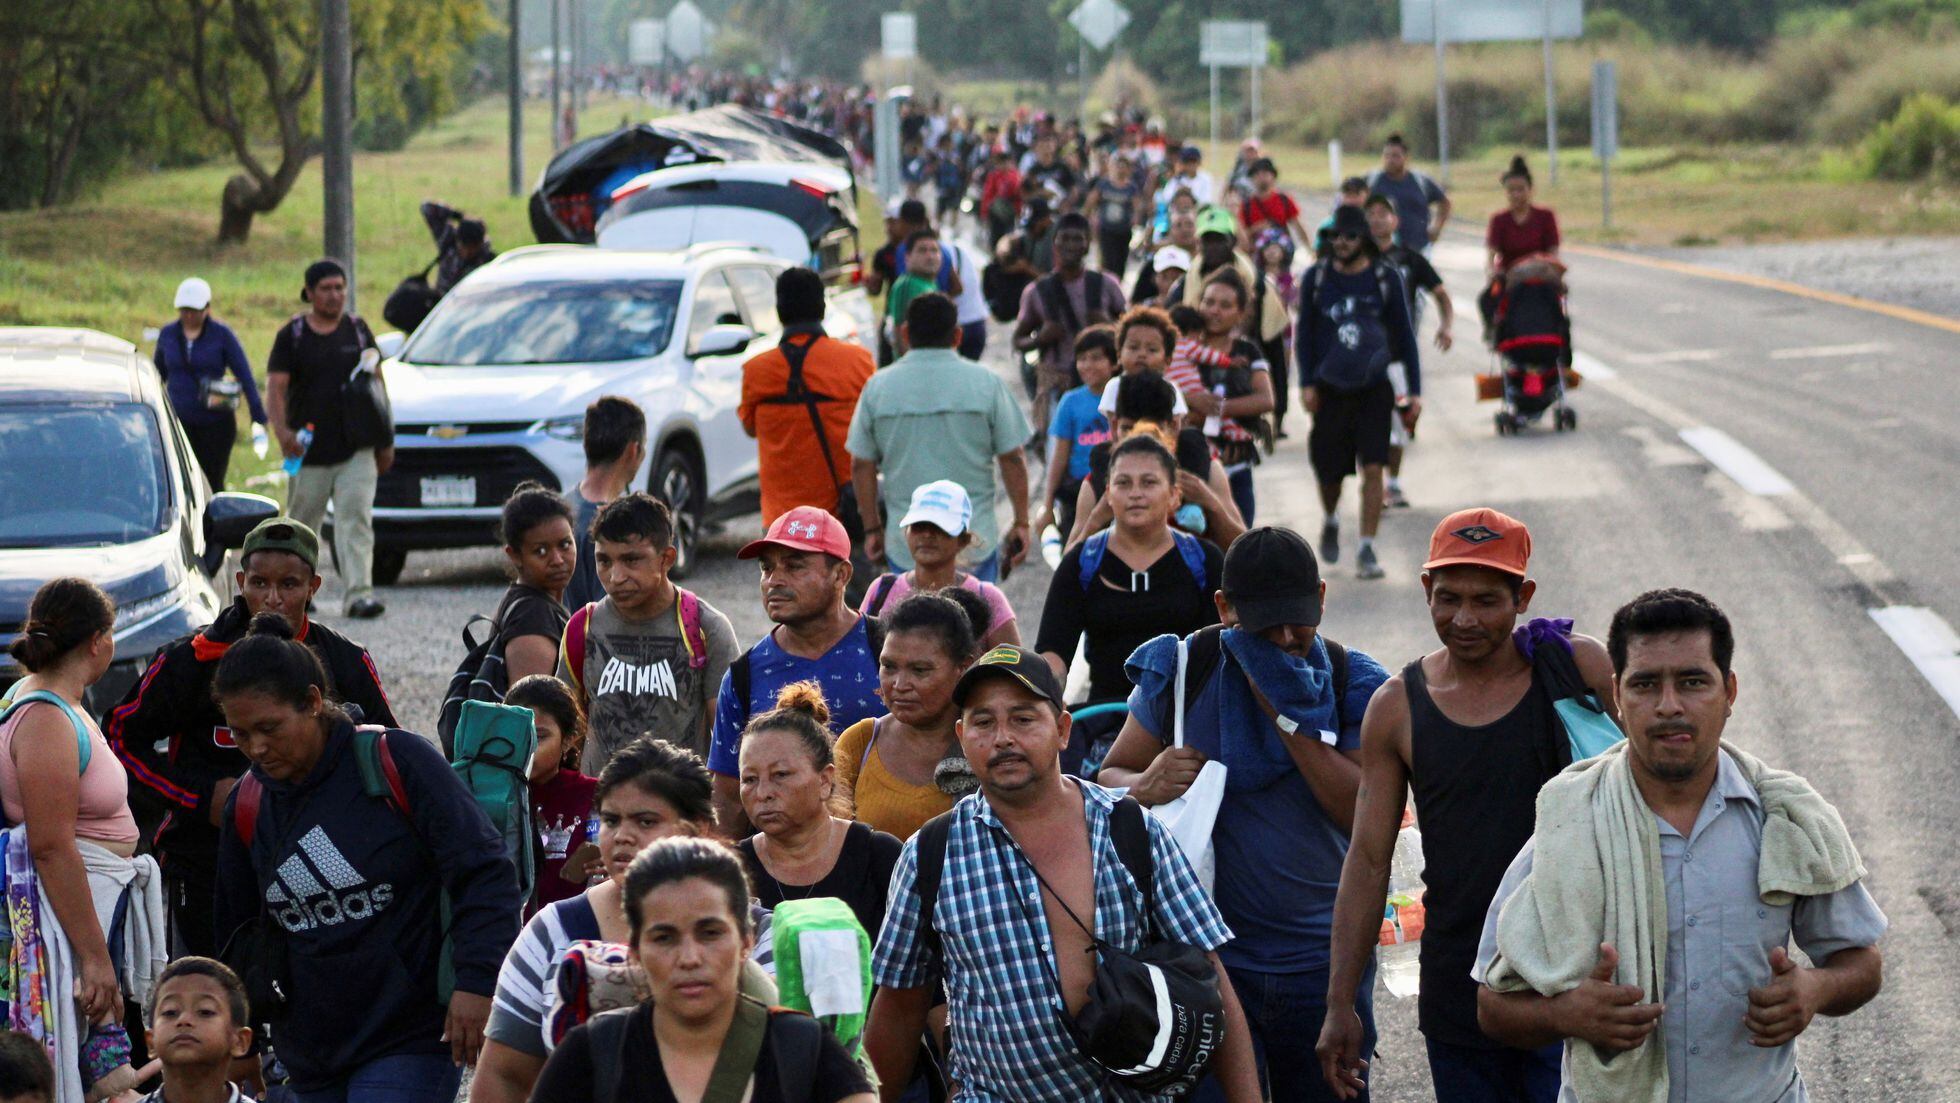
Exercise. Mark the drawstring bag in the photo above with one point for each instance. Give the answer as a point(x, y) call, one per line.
point(1190, 817)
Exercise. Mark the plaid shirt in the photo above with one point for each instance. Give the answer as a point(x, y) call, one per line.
point(1003, 1001)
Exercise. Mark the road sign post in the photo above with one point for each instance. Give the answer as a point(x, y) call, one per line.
point(1442, 93)
point(1096, 23)
point(337, 134)
point(1232, 44)
point(1551, 102)
point(516, 99)
point(1605, 132)
point(1440, 22)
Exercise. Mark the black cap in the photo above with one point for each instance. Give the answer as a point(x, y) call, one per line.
point(1020, 664)
point(1350, 220)
point(913, 210)
point(471, 231)
point(1272, 578)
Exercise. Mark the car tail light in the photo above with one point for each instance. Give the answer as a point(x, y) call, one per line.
point(631, 187)
point(811, 186)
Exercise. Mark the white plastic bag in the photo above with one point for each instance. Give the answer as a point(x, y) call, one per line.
point(1190, 817)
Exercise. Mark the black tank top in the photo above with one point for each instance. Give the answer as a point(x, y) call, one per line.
point(1476, 791)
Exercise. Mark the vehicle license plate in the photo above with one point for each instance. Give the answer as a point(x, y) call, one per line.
point(448, 491)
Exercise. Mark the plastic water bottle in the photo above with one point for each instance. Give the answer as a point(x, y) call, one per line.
point(305, 442)
point(1403, 915)
point(1215, 423)
point(1051, 547)
point(260, 443)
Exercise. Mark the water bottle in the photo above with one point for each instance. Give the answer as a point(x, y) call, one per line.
point(1051, 547)
point(260, 444)
point(305, 441)
point(1215, 423)
point(1403, 915)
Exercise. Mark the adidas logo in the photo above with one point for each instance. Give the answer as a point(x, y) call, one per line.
point(302, 903)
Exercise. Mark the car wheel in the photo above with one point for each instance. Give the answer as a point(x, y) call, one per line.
point(677, 480)
point(388, 564)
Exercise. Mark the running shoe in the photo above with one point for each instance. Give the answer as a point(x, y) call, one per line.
point(1395, 499)
point(1366, 565)
point(1330, 541)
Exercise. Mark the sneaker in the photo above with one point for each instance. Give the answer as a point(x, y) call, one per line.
point(1330, 541)
point(1395, 499)
point(1366, 565)
point(366, 608)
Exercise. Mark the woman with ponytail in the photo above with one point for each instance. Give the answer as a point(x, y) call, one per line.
point(63, 788)
point(1522, 229)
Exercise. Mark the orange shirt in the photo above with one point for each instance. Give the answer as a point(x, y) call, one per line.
point(791, 464)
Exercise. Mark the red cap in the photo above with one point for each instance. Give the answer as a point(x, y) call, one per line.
point(1480, 538)
point(805, 528)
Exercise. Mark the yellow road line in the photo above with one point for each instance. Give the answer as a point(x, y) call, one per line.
point(1902, 313)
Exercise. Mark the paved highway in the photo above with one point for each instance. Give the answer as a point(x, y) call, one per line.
point(1792, 458)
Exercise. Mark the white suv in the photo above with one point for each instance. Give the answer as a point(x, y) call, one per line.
point(491, 389)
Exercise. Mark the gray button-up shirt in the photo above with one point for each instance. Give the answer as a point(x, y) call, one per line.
point(1719, 935)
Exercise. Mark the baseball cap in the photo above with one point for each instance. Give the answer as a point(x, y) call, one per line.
point(913, 210)
point(944, 504)
point(193, 294)
point(1018, 663)
point(893, 205)
point(1171, 256)
point(1480, 538)
point(1218, 220)
point(805, 528)
point(1190, 153)
point(1271, 578)
point(282, 534)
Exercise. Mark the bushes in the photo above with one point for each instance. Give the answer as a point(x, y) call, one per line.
point(1922, 140)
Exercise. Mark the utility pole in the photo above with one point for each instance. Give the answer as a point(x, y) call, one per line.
point(337, 133)
point(557, 76)
point(1551, 100)
point(516, 99)
point(1442, 93)
point(575, 16)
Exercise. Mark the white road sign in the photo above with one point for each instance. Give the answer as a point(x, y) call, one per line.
point(900, 34)
point(1232, 43)
point(1099, 21)
point(644, 38)
point(1491, 20)
point(687, 31)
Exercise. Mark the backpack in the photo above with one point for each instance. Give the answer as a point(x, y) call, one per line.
point(1189, 548)
point(820, 948)
point(798, 1049)
point(798, 393)
point(1055, 304)
point(687, 611)
point(739, 673)
point(882, 587)
point(1206, 646)
point(83, 747)
point(1354, 367)
point(381, 779)
point(481, 676)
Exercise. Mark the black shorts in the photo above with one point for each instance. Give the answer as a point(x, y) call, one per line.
point(1350, 429)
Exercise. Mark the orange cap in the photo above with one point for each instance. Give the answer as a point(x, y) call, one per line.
point(1480, 538)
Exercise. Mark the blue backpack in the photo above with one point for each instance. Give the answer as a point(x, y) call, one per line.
point(1189, 548)
point(12, 704)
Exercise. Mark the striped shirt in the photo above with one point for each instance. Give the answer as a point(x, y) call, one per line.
point(517, 1009)
point(1004, 1004)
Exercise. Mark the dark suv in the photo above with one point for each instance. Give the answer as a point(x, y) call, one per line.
point(97, 480)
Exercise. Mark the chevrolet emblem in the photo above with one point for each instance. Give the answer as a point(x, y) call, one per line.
point(448, 432)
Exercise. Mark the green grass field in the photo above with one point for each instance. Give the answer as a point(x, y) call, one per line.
point(112, 261)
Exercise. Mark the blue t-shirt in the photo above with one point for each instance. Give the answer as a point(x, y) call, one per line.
point(848, 673)
point(1078, 421)
point(1412, 196)
point(1279, 855)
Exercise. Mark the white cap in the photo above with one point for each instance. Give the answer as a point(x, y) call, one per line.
point(943, 504)
point(193, 294)
point(1171, 256)
point(892, 205)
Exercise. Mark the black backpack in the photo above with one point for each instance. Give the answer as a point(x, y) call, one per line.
point(1366, 363)
point(798, 1048)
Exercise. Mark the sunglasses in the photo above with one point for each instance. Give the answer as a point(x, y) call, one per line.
point(1345, 235)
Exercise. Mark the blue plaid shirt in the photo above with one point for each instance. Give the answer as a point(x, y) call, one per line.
point(1004, 1004)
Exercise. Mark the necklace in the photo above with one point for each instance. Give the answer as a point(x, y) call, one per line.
point(809, 890)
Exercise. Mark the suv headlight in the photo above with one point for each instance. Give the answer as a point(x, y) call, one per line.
point(562, 428)
point(135, 613)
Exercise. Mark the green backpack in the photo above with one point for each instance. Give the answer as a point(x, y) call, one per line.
point(823, 965)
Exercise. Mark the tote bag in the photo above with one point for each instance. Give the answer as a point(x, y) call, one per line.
point(1189, 818)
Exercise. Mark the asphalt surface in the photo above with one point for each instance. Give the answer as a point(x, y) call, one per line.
point(1854, 410)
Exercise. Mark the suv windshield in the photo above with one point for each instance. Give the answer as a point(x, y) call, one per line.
point(547, 322)
point(112, 486)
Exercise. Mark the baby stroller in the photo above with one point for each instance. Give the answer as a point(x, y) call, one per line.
point(1533, 334)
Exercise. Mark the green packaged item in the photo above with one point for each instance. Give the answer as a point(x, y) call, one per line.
point(823, 965)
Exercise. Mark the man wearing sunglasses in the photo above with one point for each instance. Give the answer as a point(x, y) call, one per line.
point(1354, 322)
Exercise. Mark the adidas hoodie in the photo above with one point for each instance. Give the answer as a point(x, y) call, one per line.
point(357, 889)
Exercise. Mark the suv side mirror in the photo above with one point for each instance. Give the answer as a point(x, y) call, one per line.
point(391, 344)
point(232, 516)
point(724, 339)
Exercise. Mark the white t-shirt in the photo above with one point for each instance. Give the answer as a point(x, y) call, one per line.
point(972, 304)
point(1202, 189)
point(1107, 405)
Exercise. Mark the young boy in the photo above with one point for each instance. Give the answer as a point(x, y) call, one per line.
point(615, 447)
point(650, 656)
point(922, 260)
point(199, 1025)
point(1077, 426)
point(1145, 338)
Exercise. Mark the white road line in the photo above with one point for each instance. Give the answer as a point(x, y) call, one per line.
point(1592, 367)
point(1736, 461)
point(1678, 356)
point(1930, 643)
point(1820, 352)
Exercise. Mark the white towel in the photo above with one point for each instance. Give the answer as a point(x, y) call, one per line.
point(145, 946)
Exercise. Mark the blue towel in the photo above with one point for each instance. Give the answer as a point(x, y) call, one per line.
point(1240, 735)
point(1527, 638)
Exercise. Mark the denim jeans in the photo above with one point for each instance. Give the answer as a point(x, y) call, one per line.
point(1284, 1011)
point(1466, 1075)
point(973, 339)
point(1241, 483)
point(988, 569)
point(403, 1078)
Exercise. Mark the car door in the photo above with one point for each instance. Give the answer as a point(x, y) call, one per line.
point(717, 384)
